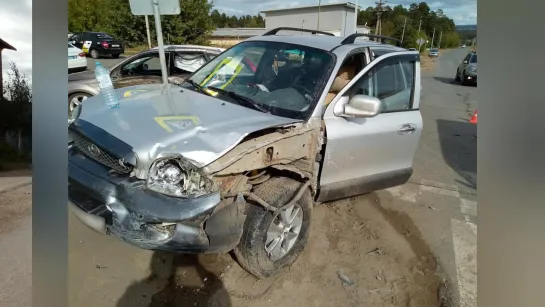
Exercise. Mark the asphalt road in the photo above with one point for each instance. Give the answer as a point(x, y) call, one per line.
point(440, 200)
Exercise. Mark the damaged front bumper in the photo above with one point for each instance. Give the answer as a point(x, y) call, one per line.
point(122, 207)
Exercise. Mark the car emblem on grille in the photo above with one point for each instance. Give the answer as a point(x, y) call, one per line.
point(93, 150)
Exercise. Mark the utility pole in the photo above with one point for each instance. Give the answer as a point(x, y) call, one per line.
point(403, 33)
point(319, 7)
point(380, 10)
point(418, 34)
point(432, 38)
point(147, 30)
point(440, 38)
point(356, 17)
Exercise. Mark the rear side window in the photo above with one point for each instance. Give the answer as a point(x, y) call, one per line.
point(188, 61)
point(103, 36)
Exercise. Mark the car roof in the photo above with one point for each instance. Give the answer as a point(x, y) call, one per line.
point(323, 42)
point(182, 47)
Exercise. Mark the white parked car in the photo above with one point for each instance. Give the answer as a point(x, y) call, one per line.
point(77, 61)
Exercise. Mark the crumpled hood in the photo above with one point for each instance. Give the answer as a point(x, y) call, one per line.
point(198, 127)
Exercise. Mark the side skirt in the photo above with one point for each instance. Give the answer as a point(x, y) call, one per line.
point(363, 185)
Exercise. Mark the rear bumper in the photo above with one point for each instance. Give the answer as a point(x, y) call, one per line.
point(124, 208)
point(111, 51)
point(77, 64)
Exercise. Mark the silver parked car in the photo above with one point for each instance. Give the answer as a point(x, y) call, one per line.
point(467, 70)
point(236, 157)
point(142, 68)
point(434, 52)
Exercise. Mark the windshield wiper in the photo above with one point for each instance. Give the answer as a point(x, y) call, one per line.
point(198, 87)
point(240, 98)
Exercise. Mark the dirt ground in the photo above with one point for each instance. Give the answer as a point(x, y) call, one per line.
point(359, 254)
point(14, 205)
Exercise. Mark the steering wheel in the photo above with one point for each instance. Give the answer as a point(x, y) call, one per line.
point(302, 90)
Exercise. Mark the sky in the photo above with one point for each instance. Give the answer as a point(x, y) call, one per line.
point(16, 30)
point(463, 12)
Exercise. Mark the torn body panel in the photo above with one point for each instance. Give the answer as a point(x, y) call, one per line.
point(292, 148)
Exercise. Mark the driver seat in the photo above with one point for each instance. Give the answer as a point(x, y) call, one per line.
point(346, 73)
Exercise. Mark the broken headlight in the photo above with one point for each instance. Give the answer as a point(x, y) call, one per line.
point(179, 178)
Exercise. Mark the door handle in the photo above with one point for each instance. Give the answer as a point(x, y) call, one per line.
point(406, 129)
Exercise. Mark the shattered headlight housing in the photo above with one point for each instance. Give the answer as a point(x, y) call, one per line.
point(179, 178)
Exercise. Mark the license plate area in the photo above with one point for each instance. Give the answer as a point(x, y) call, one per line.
point(115, 46)
point(72, 57)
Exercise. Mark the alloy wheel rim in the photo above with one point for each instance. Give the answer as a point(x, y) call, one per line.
point(284, 232)
point(76, 101)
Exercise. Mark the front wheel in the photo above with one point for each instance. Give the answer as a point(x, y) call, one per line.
point(272, 242)
point(464, 81)
point(76, 99)
point(457, 77)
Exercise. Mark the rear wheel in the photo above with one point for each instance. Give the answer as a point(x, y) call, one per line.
point(272, 242)
point(94, 54)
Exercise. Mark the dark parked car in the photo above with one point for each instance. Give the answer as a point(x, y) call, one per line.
point(143, 68)
point(97, 44)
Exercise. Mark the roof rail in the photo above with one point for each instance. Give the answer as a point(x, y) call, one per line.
point(275, 31)
point(352, 37)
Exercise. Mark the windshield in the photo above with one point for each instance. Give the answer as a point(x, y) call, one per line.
point(473, 59)
point(278, 78)
point(434, 50)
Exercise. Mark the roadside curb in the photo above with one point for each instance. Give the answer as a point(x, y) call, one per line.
point(15, 186)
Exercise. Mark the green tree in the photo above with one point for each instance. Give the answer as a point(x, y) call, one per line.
point(193, 25)
point(16, 105)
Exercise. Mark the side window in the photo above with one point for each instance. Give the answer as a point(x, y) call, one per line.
point(391, 81)
point(146, 65)
point(188, 62)
point(467, 58)
point(211, 55)
point(76, 37)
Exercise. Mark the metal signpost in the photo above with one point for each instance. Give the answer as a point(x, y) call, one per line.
point(420, 42)
point(157, 8)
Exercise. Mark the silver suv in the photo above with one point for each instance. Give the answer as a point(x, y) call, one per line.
point(236, 157)
point(467, 70)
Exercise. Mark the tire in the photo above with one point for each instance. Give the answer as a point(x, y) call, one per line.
point(250, 252)
point(464, 82)
point(75, 99)
point(94, 54)
point(457, 77)
point(115, 55)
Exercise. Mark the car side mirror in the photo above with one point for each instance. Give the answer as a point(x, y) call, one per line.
point(465, 62)
point(145, 66)
point(362, 106)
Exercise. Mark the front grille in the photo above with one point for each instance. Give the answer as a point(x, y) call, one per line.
point(96, 153)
